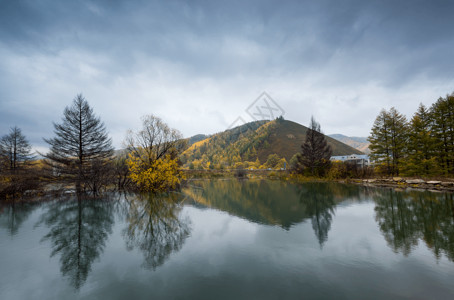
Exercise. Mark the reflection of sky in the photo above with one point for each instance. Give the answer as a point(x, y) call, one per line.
point(228, 257)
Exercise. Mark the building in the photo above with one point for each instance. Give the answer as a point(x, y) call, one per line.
point(356, 159)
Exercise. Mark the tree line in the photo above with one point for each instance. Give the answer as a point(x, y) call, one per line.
point(421, 146)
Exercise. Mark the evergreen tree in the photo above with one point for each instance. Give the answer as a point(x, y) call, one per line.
point(388, 140)
point(80, 146)
point(315, 152)
point(380, 141)
point(421, 159)
point(443, 128)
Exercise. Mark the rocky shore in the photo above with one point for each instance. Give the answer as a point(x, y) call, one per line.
point(435, 185)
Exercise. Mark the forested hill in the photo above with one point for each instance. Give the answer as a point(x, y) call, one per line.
point(252, 141)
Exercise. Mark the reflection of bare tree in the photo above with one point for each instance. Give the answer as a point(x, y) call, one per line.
point(78, 232)
point(407, 217)
point(155, 227)
point(12, 215)
point(318, 199)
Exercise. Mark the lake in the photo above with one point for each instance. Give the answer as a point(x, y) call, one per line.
point(232, 239)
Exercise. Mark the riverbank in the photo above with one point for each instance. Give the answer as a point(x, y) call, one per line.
point(394, 182)
point(411, 183)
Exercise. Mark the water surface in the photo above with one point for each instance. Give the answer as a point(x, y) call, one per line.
point(229, 239)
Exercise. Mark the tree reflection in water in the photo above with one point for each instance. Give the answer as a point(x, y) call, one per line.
point(156, 227)
point(12, 215)
point(318, 200)
point(276, 202)
point(405, 218)
point(78, 232)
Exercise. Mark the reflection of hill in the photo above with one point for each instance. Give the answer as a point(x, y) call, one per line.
point(407, 217)
point(274, 202)
point(155, 227)
point(78, 232)
point(266, 202)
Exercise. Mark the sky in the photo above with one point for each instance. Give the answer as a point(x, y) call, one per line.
point(199, 65)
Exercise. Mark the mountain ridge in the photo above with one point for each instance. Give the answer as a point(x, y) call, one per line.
point(253, 142)
point(360, 143)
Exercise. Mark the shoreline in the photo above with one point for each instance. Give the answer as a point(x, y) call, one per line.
point(407, 183)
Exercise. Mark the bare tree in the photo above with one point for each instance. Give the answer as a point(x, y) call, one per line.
point(154, 141)
point(80, 146)
point(15, 150)
point(315, 151)
point(16, 176)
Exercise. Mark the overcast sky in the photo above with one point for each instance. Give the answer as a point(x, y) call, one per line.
point(199, 64)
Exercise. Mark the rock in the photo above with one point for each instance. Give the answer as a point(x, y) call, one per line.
point(447, 183)
point(372, 180)
point(414, 181)
point(434, 182)
point(397, 178)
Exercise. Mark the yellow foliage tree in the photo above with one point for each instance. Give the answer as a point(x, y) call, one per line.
point(153, 156)
point(161, 175)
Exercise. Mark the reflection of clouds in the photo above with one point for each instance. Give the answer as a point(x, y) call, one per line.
point(156, 227)
point(223, 229)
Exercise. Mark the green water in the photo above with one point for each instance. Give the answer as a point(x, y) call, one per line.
point(230, 239)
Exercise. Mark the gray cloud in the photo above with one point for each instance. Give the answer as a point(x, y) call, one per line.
point(199, 64)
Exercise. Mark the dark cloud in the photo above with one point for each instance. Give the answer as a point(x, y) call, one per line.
point(52, 50)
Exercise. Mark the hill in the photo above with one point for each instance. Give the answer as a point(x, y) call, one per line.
point(253, 142)
point(359, 143)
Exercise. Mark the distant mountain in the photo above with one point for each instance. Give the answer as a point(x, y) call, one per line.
point(196, 138)
point(359, 143)
point(255, 140)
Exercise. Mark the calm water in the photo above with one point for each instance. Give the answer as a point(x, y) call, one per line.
point(231, 239)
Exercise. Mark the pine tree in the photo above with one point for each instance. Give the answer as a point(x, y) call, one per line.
point(399, 135)
point(380, 141)
point(80, 145)
point(315, 152)
point(388, 140)
point(421, 159)
point(443, 128)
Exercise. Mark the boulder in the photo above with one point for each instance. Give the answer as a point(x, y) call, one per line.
point(447, 183)
point(414, 181)
point(434, 182)
point(397, 179)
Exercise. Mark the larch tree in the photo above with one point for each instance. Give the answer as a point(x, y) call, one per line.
point(388, 140)
point(81, 146)
point(15, 150)
point(16, 174)
point(443, 128)
point(421, 158)
point(380, 141)
point(315, 151)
